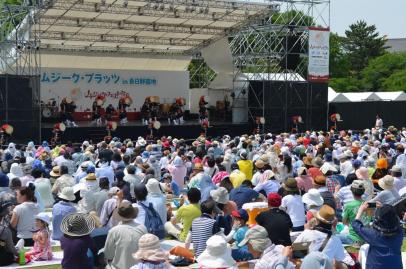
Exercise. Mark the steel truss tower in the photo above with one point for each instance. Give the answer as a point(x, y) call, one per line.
point(19, 39)
point(276, 48)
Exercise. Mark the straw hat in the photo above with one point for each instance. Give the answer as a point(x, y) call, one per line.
point(91, 176)
point(217, 254)
point(259, 164)
point(386, 182)
point(317, 162)
point(319, 180)
point(290, 185)
point(313, 197)
point(149, 249)
point(55, 172)
point(67, 193)
point(198, 167)
point(326, 214)
point(308, 161)
point(125, 212)
point(326, 167)
point(220, 195)
point(77, 224)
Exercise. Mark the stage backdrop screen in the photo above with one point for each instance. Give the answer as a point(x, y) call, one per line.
point(83, 85)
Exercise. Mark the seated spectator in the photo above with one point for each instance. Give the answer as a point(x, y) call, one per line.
point(203, 228)
point(216, 255)
point(276, 221)
point(399, 181)
point(389, 193)
point(43, 187)
point(122, 240)
point(313, 201)
point(237, 234)
point(88, 201)
point(156, 198)
point(384, 237)
point(244, 194)
point(322, 238)
point(61, 209)
point(304, 181)
point(150, 255)
point(42, 250)
point(8, 252)
point(223, 218)
point(292, 203)
point(23, 218)
point(268, 183)
point(101, 196)
point(316, 260)
point(76, 241)
point(319, 183)
point(185, 216)
point(349, 213)
point(237, 177)
point(268, 254)
point(65, 180)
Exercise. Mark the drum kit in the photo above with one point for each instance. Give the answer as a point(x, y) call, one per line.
point(49, 109)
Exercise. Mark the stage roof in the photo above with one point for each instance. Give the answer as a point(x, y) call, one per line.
point(154, 26)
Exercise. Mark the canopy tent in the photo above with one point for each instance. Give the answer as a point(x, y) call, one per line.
point(154, 26)
point(334, 97)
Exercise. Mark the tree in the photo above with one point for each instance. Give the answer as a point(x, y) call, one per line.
point(346, 84)
point(395, 82)
point(380, 69)
point(338, 59)
point(362, 43)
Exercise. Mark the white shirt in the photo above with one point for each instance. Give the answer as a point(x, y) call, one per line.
point(346, 168)
point(399, 183)
point(26, 219)
point(334, 248)
point(295, 209)
point(141, 213)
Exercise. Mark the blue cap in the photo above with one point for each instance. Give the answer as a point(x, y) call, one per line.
point(242, 214)
point(90, 169)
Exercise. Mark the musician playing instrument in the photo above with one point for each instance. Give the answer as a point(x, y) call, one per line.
point(96, 113)
point(146, 111)
point(122, 105)
point(202, 108)
point(67, 109)
point(110, 112)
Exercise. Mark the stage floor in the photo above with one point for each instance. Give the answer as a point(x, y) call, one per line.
point(134, 129)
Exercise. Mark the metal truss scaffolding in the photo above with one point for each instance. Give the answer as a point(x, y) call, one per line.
point(276, 48)
point(19, 40)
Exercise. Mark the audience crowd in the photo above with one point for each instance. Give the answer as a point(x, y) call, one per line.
point(293, 200)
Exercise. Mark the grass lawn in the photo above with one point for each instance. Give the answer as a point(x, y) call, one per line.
point(404, 245)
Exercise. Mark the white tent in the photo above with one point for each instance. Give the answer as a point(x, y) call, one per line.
point(361, 96)
point(392, 96)
point(332, 94)
point(340, 98)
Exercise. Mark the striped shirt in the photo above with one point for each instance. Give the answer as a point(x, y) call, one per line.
point(202, 229)
point(345, 195)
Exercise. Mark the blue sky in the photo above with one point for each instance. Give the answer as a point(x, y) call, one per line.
point(389, 16)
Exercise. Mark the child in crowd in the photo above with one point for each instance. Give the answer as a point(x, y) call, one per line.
point(237, 234)
point(42, 250)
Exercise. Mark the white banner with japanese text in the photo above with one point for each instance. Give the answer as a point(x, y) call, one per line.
point(319, 53)
point(84, 85)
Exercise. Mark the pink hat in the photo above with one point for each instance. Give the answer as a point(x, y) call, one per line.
point(362, 173)
point(217, 178)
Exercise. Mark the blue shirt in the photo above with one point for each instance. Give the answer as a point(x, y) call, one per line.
point(243, 195)
point(4, 180)
point(60, 210)
point(384, 251)
point(106, 171)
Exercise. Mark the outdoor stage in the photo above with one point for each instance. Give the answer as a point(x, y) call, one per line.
point(189, 130)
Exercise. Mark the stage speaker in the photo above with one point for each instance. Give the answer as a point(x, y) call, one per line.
point(291, 58)
point(19, 106)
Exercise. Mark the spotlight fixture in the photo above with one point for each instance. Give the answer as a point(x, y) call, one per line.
point(125, 3)
point(103, 2)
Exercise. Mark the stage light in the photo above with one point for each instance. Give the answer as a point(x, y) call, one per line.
point(125, 3)
point(103, 2)
point(162, 7)
point(140, 11)
point(232, 95)
point(243, 92)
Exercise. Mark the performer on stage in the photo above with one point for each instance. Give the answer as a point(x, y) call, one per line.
point(173, 113)
point(67, 109)
point(146, 111)
point(109, 112)
point(202, 109)
point(96, 113)
point(123, 103)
